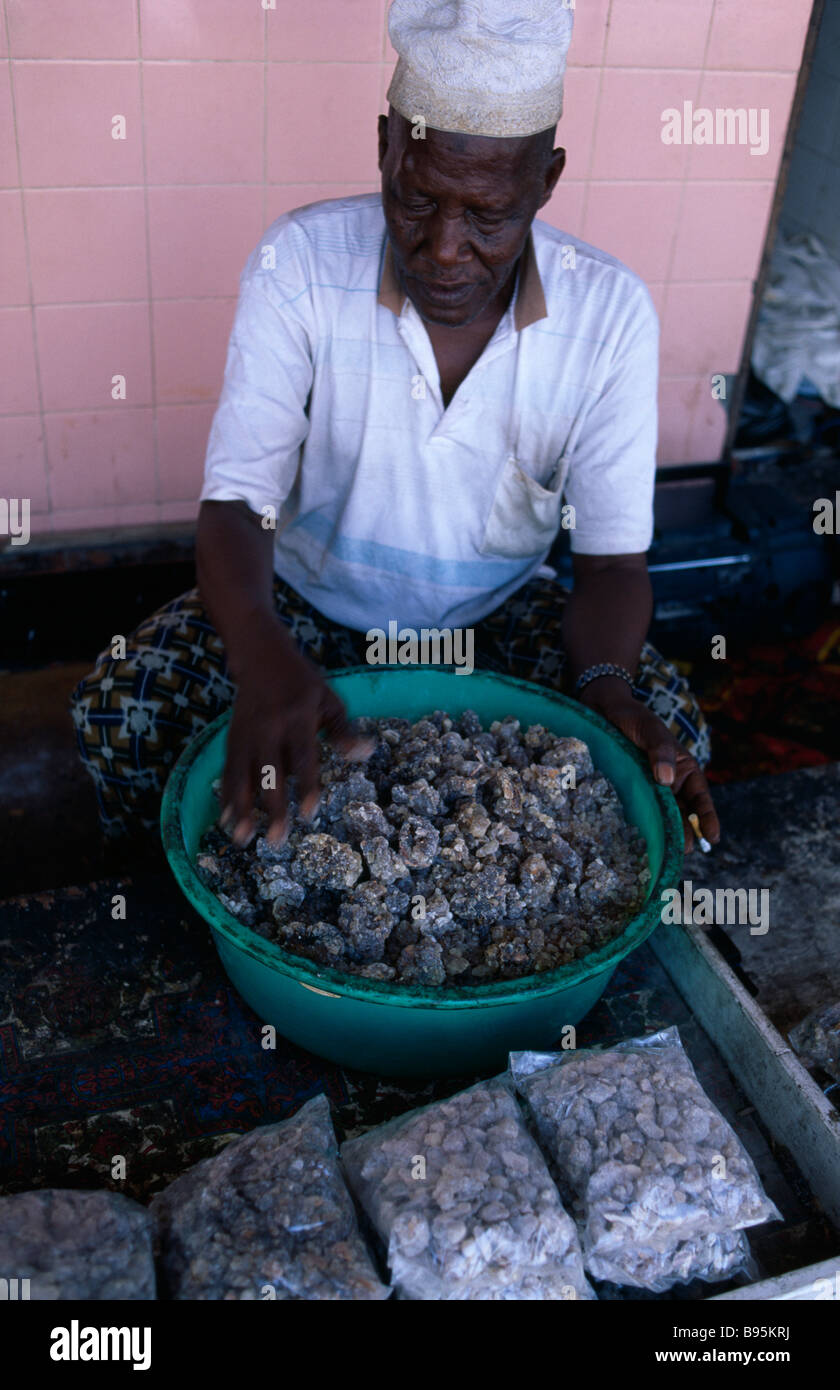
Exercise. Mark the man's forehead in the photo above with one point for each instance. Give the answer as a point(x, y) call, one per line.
point(412, 141)
point(450, 156)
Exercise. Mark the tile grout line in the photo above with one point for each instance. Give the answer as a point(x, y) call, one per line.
point(347, 183)
point(39, 414)
point(147, 222)
point(686, 179)
point(196, 403)
point(120, 303)
point(659, 281)
point(265, 125)
point(656, 70)
point(684, 182)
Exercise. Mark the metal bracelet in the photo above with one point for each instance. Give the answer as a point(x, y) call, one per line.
point(604, 668)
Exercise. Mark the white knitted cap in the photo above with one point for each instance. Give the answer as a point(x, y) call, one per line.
point(480, 67)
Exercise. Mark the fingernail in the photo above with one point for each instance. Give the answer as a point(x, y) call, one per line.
point(309, 809)
point(664, 773)
point(244, 833)
point(278, 834)
point(361, 750)
point(226, 815)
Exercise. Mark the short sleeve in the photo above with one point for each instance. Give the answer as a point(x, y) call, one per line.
point(612, 471)
point(260, 423)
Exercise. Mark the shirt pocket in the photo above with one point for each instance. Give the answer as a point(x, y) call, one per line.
point(525, 516)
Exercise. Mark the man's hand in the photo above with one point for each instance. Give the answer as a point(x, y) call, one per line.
point(607, 615)
point(282, 702)
point(281, 705)
point(672, 766)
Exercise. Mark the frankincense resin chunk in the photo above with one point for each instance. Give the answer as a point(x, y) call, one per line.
point(455, 855)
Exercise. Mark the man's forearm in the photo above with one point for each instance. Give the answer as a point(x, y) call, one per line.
point(234, 563)
point(606, 618)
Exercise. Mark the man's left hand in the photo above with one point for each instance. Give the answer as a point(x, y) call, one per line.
point(672, 766)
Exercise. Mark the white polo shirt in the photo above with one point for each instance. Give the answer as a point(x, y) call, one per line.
point(390, 507)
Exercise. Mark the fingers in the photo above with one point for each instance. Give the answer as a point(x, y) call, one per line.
point(238, 791)
point(694, 796)
point(354, 747)
point(275, 804)
point(646, 730)
point(251, 774)
point(664, 765)
point(662, 751)
point(304, 763)
point(673, 767)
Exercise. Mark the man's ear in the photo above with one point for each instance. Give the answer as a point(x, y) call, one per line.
point(383, 140)
point(556, 166)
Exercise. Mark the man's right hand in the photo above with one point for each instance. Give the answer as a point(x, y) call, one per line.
point(282, 704)
point(282, 701)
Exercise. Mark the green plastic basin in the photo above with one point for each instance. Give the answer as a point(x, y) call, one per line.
point(405, 1030)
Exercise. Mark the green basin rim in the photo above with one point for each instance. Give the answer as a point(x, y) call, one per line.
point(267, 953)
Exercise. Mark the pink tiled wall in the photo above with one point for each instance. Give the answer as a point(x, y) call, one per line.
point(121, 257)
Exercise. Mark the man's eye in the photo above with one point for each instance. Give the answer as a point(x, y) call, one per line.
point(417, 207)
point(487, 224)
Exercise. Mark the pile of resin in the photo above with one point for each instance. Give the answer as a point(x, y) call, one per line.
point(453, 855)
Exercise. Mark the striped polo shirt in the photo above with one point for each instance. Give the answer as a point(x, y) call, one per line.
point(388, 506)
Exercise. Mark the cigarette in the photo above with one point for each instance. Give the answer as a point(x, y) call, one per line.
point(694, 822)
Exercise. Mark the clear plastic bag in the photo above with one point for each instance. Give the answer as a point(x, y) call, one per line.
point(270, 1212)
point(709, 1257)
point(660, 1182)
point(461, 1196)
point(77, 1245)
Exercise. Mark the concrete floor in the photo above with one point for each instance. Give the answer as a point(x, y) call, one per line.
point(780, 834)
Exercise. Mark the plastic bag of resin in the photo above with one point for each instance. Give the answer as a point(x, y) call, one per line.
point(77, 1245)
point(462, 1197)
point(711, 1257)
point(268, 1217)
point(661, 1183)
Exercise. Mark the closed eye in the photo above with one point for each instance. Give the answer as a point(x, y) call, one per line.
point(486, 223)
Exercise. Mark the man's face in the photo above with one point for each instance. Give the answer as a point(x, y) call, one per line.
point(458, 210)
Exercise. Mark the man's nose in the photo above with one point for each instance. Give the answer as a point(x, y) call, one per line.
point(446, 240)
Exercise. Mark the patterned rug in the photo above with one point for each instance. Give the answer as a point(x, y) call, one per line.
point(774, 709)
point(126, 1038)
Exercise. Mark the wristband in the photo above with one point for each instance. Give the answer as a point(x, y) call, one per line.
point(604, 668)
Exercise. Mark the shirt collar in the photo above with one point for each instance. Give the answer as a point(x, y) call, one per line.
point(530, 296)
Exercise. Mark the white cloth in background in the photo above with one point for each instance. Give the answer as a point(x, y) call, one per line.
point(389, 506)
point(798, 330)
